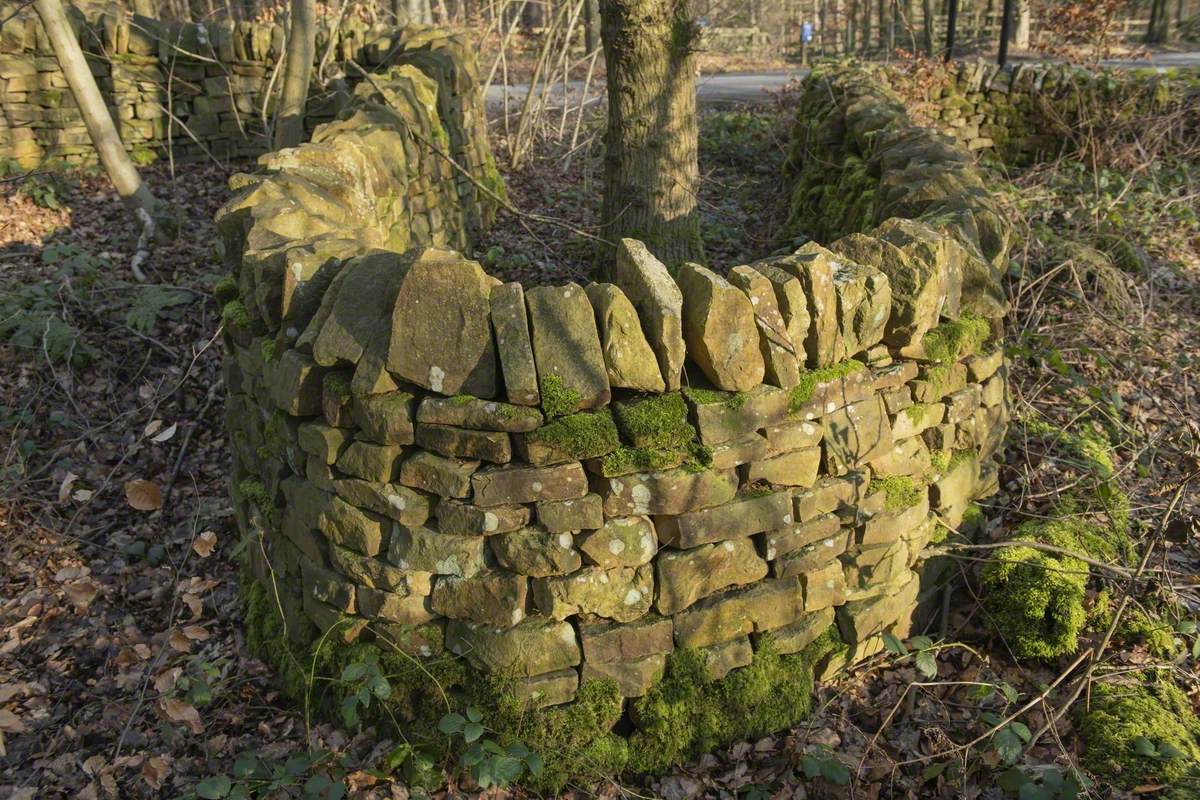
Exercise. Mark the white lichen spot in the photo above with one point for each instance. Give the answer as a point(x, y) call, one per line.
point(729, 546)
point(616, 547)
point(567, 633)
point(517, 615)
point(565, 540)
point(787, 519)
point(633, 597)
point(397, 502)
point(830, 407)
point(536, 486)
point(490, 407)
point(647, 543)
point(490, 521)
point(436, 376)
point(615, 485)
point(448, 566)
point(641, 498)
point(425, 651)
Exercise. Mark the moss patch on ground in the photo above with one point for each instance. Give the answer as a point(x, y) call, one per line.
point(1142, 734)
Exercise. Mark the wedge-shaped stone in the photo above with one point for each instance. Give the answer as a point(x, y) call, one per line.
point(560, 516)
point(799, 635)
point(514, 345)
point(982, 367)
point(352, 527)
point(425, 550)
point(782, 541)
point(933, 249)
point(864, 299)
point(659, 306)
point(792, 304)
point(496, 486)
point(328, 619)
point(447, 440)
point(961, 405)
point(401, 609)
point(322, 441)
point(736, 452)
point(385, 418)
point(364, 304)
point(622, 594)
point(718, 325)
point(782, 368)
point(741, 517)
point(464, 411)
point(916, 419)
point(445, 477)
point(792, 436)
point(566, 348)
point(294, 382)
point(857, 434)
point(763, 607)
point(894, 376)
point(441, 330)
point(627, 355)
point(536, 553)
point(461, 518)
point(907, 457)
point(812, 557)
point(605, 641)
point(534, 647)
point(669, 492)
point(371, 462)
point(685, 576)
point(497, 598)
point(398, 502)
point(620, 542)
point(796, 468)
point(858, 620)
point(633, 678)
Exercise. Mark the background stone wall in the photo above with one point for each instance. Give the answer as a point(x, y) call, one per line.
point(1023, 113)
point(199, 89)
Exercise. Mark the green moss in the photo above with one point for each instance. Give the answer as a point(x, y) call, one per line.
point(256, 494)
point(1091, 450)
point(226, 290)
point(1034, 597)
point(687, 713)
point(626, 460)
point(658, 422)
point(917, 411)
point(710, 397)
point(1119, 717)
point(939, 461)
point(588, 434)
point(557, 398)
point(234, 313)
point(1155, 634)
point(336, 384)
point(956, 339)
point(938, 377)
point(802, 392)
point(900, 491)
point(268, 349)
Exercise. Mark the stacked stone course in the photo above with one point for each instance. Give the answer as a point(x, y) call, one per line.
point(561, 484)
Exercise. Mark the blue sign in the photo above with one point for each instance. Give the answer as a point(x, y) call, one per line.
point(806, 31)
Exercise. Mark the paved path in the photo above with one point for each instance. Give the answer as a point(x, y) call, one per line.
point(747, 88)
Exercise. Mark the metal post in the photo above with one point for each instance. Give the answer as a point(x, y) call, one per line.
point(1005, 29)
point(951, 23)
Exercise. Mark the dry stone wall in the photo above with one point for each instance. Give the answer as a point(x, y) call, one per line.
point(200, 90)
point(566, 485)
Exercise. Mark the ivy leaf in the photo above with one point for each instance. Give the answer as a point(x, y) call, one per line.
point(812, 767)
point(246, 765)
point(507, 769)
point(835, 772)
point(927, 664)
point(1007, 744)
point(214, 788)
point(1022, 730)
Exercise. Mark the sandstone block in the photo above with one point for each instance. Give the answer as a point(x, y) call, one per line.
point(412, 609)
point(630, 362)
point(608, 642)
point(295, 383)
point(550, 689)
point(622, 594)
point(322, 441)
point(375, 573)
point(721, 417)
point(718, 325)
point(464, 443)
point(799, 535)
point(385, 418)
point(534, 647)
point(566, 349)
point(536, 553)
point(391, 500)
point(561, 516)
point(762, 607)
point(813, 266)
point(796, 468)
point(961, 405)
point(811, 557)
point(907, 457)
point(799, 635)
point(378, 463)
point(673, 491)
point(736, 452)
point(741, 517)
point(633, 678)
point(620, 542)
point(575, 437)
point(824, 588)
point(782, 367)
point(792, 304)
point(830, 493)
point(352, 527)
point(461, 518)
point(916, 419)
point(422, 549)
point(685, 576)
point(445, 477)
point(494, 597)
point(441, 331)
point(659, 306)
point(482, 415)
point(858, 620)
point(856, 434)
point(792, 436)
point(495, 486)
point(985, 365)
point(366, 294)
point(864, 299)
point(514, 345)
point(721, 659)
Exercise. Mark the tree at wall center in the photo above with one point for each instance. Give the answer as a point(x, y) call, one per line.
point(651, 169)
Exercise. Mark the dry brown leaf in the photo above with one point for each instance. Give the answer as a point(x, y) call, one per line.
point(179, 642)
point(196, 633)
point(143, 495)
point(155, 771)
point(184, 713)
point(82, 592)
point(205, 543)
point(10, 722)
point(64, 488)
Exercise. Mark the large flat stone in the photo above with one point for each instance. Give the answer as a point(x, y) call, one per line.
point(536, 553)
point(362, 308)
point(441, 329)
point(620, 542)
point(465, 443)
point(514, 345)
point(560, 516)
point(668, 492)
point(762, 607)
point(534, 647)
point(741, 517)
point(605, 641)
point(857, 434)
point(813, 266)
point(517, 484)
point(398, 502)
point(497, 598)
point(464, 519)
point(425, 550)
point(622, 594)
point(464, 411)
point(659, 305)
point(719, 327)
point(685, 576)
point(795, 468)
point(566, 348)
point(445, 477)
point(633, 678)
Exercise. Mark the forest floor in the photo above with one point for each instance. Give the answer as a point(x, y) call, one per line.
point(123, 670)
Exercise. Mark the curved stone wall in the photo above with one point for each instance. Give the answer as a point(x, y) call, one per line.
point(565, 485)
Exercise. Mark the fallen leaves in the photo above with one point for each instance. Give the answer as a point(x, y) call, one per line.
point(143, 495)
point(204, 544)
point(181, 712)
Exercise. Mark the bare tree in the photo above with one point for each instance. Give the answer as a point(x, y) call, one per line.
point(1024, 24)
point(651, 170)
point(297, 71)
point(136, 196)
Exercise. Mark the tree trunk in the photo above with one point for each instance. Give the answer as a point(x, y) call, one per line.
point(136, 196)
point(591, 25)
point(1024, 23)
point(1160, 23)
point(297, 70)
point(927, 26)
point(651, 171)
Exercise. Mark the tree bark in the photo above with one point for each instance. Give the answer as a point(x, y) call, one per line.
point(927, 26)
point(297, 71)
point(651, 171)
point(1160, 22)
point(1024, 24)
point(591, 25)
point(136, 196)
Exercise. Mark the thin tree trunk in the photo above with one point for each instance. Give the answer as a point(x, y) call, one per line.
point(591, 25)
point(1024, 24)
point(651, 171)
point(297, 70)
point(136, 196)
point(927, 26)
